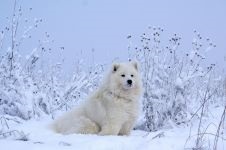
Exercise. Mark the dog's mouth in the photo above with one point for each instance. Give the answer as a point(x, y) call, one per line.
point(128, 86)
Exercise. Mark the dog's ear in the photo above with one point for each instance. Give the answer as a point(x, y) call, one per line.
point(135, 65)
point(115, 67)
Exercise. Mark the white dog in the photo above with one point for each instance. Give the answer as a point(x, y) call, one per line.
point(111, 110)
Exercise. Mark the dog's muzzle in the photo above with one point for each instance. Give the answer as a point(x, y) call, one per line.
point(129, 83)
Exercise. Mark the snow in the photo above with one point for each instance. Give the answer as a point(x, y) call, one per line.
point(175, 138)
point(40, 137)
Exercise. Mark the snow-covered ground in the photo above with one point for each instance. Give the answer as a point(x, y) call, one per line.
point(41, 137)
point(175, 138)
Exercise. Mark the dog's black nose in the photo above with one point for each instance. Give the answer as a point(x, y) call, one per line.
point(129, 81)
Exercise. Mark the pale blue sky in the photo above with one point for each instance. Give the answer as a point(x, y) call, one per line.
point(103, 25)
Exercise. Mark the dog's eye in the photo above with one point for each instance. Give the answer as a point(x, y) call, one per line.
point(122, 75)
point(132, 75)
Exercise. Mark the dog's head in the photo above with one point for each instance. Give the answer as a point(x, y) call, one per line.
point(125, 77)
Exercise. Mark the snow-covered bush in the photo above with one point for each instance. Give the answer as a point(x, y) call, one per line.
point(174, 83)
point(77, 88)
point(31, 87)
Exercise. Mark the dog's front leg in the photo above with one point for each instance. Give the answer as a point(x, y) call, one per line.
point(110, 128)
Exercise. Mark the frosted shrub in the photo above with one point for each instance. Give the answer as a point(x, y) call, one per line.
point(12, 99)
point(30, 88)
point(173, 81)
point(78, 87)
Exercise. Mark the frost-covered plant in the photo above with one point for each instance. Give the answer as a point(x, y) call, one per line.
point(77, 88)
point(173, 82)
point(31, 88)
point(12, 99)
point(16, 77)
point(6, 132)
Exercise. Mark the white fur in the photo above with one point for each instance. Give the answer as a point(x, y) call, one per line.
point(111, 110)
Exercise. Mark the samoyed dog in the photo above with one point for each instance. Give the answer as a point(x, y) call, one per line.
point(111, 110)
